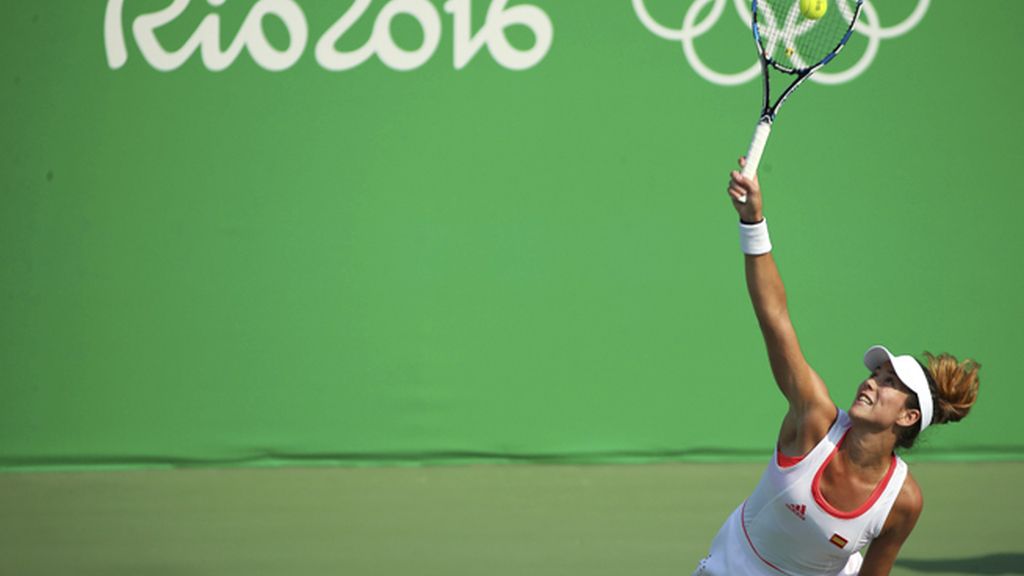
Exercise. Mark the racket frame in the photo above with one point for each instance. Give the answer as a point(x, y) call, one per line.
point(768, 110)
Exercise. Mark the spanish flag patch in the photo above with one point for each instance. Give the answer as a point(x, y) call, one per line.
point(838, 540)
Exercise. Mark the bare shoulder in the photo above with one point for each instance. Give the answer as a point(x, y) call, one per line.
point(910, 498)
point(907, 508)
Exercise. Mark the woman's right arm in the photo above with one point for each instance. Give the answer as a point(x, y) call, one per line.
point(811, 410)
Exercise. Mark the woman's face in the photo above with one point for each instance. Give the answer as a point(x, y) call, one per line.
point(882, 399)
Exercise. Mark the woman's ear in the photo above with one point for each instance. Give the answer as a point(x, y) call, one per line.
point(908, 417)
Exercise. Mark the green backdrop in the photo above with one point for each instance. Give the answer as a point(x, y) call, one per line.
point(464, 260)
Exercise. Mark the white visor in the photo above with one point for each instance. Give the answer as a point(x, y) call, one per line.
point(909, 371)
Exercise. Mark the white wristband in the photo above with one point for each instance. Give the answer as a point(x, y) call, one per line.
point(754, 238)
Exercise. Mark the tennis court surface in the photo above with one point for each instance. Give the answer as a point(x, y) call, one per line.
point(520, 519)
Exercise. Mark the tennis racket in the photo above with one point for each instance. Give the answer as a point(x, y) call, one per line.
point(797, 44)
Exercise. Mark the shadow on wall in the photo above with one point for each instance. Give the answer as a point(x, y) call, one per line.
point(1004, 563)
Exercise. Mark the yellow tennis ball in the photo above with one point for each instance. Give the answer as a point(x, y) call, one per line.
point(813, 9)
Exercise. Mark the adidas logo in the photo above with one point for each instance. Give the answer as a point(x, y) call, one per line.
point(799, 509)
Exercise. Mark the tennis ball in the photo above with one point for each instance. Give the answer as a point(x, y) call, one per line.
point(813, 9)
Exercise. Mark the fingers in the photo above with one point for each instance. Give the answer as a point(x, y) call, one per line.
point(744, 192)
point(741, 182)
point(738, 193)
point(735, 186)
point(741, 189)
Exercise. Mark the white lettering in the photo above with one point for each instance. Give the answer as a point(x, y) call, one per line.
point(389, 52)
point(330, 58)
point(262, 52)
point(207, 36)
point(380, 41)
point(144, 27)
point(113, 34)
point(499, 17)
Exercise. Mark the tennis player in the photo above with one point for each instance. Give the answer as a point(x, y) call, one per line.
point(834, 485)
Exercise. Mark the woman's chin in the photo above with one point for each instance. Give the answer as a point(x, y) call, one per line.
point(858, 410)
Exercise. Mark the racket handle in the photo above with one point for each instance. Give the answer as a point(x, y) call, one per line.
point(757, 144)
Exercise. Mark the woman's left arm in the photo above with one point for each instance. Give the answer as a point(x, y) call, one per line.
point(902, 518)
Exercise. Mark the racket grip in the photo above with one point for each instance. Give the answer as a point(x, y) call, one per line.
point(757, 144)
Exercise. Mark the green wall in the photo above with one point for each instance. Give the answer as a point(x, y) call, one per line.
point(464, 260)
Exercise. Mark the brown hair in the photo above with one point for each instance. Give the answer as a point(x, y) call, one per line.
point(954, 388)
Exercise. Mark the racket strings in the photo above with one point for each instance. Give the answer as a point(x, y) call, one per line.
point(792, 41)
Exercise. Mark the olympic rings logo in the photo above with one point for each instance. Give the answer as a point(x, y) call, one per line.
point(869, 26)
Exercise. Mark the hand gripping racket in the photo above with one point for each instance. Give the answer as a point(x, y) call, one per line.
point(794, 40)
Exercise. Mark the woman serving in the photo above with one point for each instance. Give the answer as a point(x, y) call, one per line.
point(835, 484)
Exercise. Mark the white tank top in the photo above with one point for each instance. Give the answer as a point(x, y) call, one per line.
point(787, 527)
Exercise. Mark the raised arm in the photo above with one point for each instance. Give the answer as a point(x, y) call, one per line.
point(811, 410)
